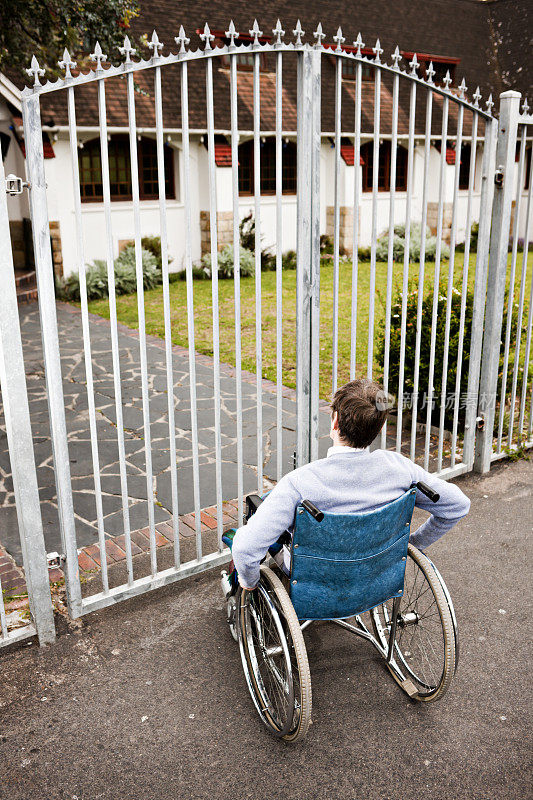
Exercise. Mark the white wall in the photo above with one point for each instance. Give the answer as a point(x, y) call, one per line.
point(17, 205)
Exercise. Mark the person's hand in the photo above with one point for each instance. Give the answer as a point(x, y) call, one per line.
point(247, 588)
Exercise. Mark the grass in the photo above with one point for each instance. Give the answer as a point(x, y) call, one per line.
point(127, 314)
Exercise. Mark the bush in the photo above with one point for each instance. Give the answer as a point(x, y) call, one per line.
point(247, 241)
point(125, 276)
point(225, 262)
point(288, 259)
point(415, 241)
point(474, 232)
point(425, 352)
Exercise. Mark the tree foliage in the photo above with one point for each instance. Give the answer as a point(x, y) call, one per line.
point(45, 27)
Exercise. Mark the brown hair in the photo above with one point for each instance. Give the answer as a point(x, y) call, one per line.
point(362, 408)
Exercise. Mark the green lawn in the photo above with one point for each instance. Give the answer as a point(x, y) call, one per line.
point(127, 313)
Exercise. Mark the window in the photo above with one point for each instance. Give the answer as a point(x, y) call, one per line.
point(367, 154)
point(464, 168)
point(267, 167)
point(527, 171)
point(245, 61)
point(441, 65)
point(120, 171)
point(349, 70)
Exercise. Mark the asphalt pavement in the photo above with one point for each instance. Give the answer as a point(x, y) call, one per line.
point(147, 700)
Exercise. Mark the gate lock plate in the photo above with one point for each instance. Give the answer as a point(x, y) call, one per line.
point(15, 185)
point(498, 177)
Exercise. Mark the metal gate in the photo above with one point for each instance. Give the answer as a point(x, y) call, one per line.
point(433, 422)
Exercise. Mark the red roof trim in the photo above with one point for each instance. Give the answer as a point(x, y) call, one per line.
point(48, 150)
point(348, 155)
point(450, 155)
point(348, 48)
point(430, 57)
point(223, 155)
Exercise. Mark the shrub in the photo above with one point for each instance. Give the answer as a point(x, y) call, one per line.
point(288, 259)
point(125, 276)
point(247, 241)
point(415, 241)
point(225, 262)
point(153, 245)
point(474, 232)
point(326, 245)
point(425, 350)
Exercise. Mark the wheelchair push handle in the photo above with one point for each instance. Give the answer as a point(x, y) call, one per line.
point(313, 510)
point(428, 491)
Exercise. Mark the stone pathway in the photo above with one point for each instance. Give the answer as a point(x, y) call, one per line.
point(77, 420)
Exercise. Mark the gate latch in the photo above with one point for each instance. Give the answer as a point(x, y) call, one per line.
point(498, 177)
point(480, 423)
point(15, 185)
point(55, 559)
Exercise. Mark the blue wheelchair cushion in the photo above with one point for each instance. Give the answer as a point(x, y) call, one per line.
point(349, 563)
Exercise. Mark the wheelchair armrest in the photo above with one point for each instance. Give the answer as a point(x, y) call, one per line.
point(428, 491)
point(253, 501)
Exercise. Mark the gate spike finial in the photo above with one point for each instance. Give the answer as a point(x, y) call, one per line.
point(67, 64)
point(35, 70)
point(377, 50)
point(127, 50)
point(319, 35)
point(525, 106)
point(278, 32)
point(396, 57)
point(414, 65)
point(430, 73)
point(207, 37)
point(462, 90)
point(182, 39)
point(476, 97)
point(155, 45)
point(298, 32)
point(232, 34)
point(98, 56)
point(447, 80)
point(339, 38)
point(256, 33)
point(359, 44)
point(489, 104)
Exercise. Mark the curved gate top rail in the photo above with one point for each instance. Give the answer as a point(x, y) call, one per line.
point(256, 46)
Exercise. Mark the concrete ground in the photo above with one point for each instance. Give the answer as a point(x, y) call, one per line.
point(147, 700)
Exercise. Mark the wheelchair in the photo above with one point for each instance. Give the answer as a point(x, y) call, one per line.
point(341, 567)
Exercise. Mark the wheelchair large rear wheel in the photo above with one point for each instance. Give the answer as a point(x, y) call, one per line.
point(274, 658)
point(425, 646)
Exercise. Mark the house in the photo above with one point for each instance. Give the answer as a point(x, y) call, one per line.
point(484, 42)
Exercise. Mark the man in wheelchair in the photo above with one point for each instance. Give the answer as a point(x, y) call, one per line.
point(339, 529)
point(350, 479)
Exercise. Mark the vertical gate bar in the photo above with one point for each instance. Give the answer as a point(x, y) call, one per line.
point(113, 324)
point(214, 284)
point(406, 260)
point(3, 623)
point(375, 186)
point(258, 312)
point(520, 309)
point(466, 268)
point(279, 267)
point(480, 283)
point(510, 295)
point(303, 258)
point(237, 280)
point(356, 198)
point(190, 303)
point(497, 273)
point(132, 126)
point(420, 297)
point(86, 333)
point(18, 425)
point(315, 58)
point(436, 280)
point(390, 254)
point(47, 308)
point(166, 308)
point(451, 268)
point(336, 221)
point(529, 329)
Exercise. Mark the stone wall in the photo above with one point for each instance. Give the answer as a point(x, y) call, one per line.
point(224, 230)
point(57, 252)
point(345, 227)
point(433, 211)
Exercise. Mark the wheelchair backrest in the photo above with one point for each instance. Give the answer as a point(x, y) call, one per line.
point(349, 563)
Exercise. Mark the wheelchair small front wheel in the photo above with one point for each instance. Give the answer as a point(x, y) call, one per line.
point(425, 646)
point(274, 658)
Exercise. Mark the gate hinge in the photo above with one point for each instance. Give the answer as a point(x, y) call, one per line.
point(55, 559)
point(15, 185)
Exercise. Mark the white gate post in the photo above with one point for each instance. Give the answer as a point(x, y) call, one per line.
point(19, 438)
point(308, 255)
point(499, 243)
point(44, 270)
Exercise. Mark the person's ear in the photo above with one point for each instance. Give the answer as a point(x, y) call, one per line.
point(335, 421)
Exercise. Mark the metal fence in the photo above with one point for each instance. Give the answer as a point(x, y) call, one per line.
point(437, 426)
